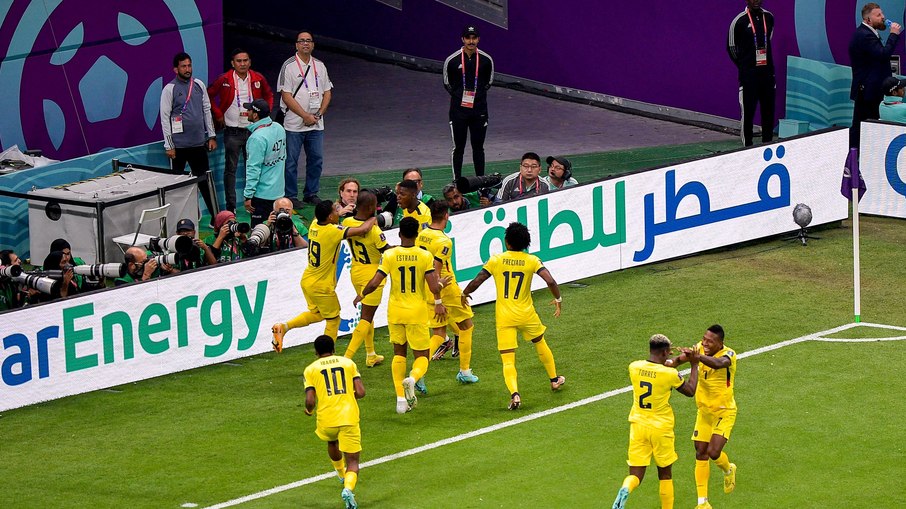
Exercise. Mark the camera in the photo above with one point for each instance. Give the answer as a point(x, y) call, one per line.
point(384, 220)
point(382, 193)
point(164, 259)
point(101, 270)
point(260, 235)
point(11, 271)
point(283, 223)
point(177, 243)
point(239, 227)
point(486, 185)
point(42, 284)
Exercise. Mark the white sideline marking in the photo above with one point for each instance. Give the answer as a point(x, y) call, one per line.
point(818, 336)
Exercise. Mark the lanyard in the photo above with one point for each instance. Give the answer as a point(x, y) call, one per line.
point(236, 86)
point(764, 20)
point(262, 125)
point(305, 74)
point(522, 191)
point(188, 96)
point(462, 59)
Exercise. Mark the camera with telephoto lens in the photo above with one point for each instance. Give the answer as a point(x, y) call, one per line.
point(100, 270)
point(261, 233)
point(486, 185)
point(41, 283)
point(382, 193)
point(164, 259)
point(175, 244)
point(239, 227)
point(10, 271)
point(283, 223)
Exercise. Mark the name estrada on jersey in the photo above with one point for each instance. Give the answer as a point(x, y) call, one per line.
point(652, 384)
point(715, 386)
point(406, 267)
point(332, 380)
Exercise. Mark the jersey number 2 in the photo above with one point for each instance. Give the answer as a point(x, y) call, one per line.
point(648, 387)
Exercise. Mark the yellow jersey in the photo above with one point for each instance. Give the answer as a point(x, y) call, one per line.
point(422, 213)
point(715, 386)
point(652, 384)
point(440, 246)
point(332, 380)
point(323, 245)
point(513, 272)
point(365, 250)
point(406, 267)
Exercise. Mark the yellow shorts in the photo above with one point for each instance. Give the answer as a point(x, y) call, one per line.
point(531, 329)
point(350, 437)
point(645, 442)
point(325, 304)
point(360, 276)
point(707, 424)
point(455, 313)
point(415, 334)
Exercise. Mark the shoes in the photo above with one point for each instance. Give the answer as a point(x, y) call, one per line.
point(442, 349)
point(341, 479)
point(454, 352)
point(373, 360)
point(402, 406)
point(279, 329)
point(466, 378)
point(705, 505)
point(313, 199)
point(409, 391)
point(730, 479)
point(349, 499)
point(558, 382)
point(515, 401)
point(421, 387)
point(297, 203)
point(620, 501)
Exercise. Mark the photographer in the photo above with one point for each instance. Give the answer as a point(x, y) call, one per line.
point(63, 246)
point(349, 194)
point(524, 182)
point(11, 294)
point(140, 267)
point(559, 173)
point(231, 236)
point(201, 256)
point(287, 231)
point(457, 201)
point(57, 260)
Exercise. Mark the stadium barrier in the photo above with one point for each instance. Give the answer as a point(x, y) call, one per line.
point(222, 313)
point(881, 149)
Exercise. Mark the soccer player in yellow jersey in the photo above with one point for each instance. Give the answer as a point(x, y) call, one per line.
point(515, 311)
point(333, 384)
point(651, 419)
point(407, 197)
point(319, 280)
point(366, 257)
point(409, 268)
point(435, 241)
point(716, 411)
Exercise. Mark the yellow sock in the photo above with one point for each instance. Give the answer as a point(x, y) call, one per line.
point(546, 357)
point(465, 348)
point(665, 490)
point(369, 335)
point(702, 473)
point(353, 477)
point(358, 337)
point(398, 370)
point(340, 466)
point(723, 462)
point(509, 370)
point(306, 318)
point(332, 328)
point(419, 368)
point(631, 482)
point(435, 342)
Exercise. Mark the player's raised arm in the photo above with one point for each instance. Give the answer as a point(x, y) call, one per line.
point(473, 285)
point(553, 287)
point(691, 383)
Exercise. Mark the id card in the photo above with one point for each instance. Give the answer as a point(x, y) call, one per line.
point(468, 99)
point(761, 57)
point(314, 100)
point(243, 118)
point(177, 125)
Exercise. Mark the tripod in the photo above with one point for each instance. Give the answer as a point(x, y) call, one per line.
point(802, 236)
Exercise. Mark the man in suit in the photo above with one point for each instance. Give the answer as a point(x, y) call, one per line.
point(870, 60)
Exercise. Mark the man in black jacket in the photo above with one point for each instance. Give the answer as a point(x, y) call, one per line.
point(870, 60)
point(749, 46)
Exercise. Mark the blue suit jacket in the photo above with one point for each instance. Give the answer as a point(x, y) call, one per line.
point(870, 62)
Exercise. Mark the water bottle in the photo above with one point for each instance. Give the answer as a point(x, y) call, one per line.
point(888, 23)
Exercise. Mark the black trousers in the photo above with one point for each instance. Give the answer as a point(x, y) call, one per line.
point(862, 110)
point(761, 91)
point(475, 126)
point(197, 157)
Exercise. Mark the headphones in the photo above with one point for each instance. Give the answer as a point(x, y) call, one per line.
point(567, 168)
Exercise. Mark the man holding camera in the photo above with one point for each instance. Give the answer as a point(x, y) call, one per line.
point(231, 236)
point(559, 173)
point(200, 256)
point(266, 149)
point(140, 267)
point(286, 230)
point(524, 182)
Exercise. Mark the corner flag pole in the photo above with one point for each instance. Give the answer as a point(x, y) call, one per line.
point(857, 284)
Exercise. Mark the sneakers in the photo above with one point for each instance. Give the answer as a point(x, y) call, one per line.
point(454, 352)
point(730, 479)
point(464, 378)
point(442, 349)
point(402, 406)
point(349, 498)
point(620, 501)
point(558, 382)
point(279, 330)
point(297, 203)
point(515, 401)
point(313, 199)
point(705, 505)
point(373, 360)
point(421, 387)
point(409, 391)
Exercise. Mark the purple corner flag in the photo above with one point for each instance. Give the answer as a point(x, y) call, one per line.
point(852, 179)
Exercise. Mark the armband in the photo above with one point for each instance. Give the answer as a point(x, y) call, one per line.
point(438, 301)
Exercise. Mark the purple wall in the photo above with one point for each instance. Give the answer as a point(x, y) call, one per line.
point(669, 54)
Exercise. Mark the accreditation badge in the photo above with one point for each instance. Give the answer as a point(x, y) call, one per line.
point(761, 56)
point(177, 125)
point(314, 100)
point(468, 99)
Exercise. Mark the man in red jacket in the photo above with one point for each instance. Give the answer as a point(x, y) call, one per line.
point(228, 93)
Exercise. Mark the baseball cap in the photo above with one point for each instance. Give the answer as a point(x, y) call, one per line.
point(470, 30)
point(221, 218)
point(891, 84)
point(259, 106)
point(568, 166)
point(185, 224)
